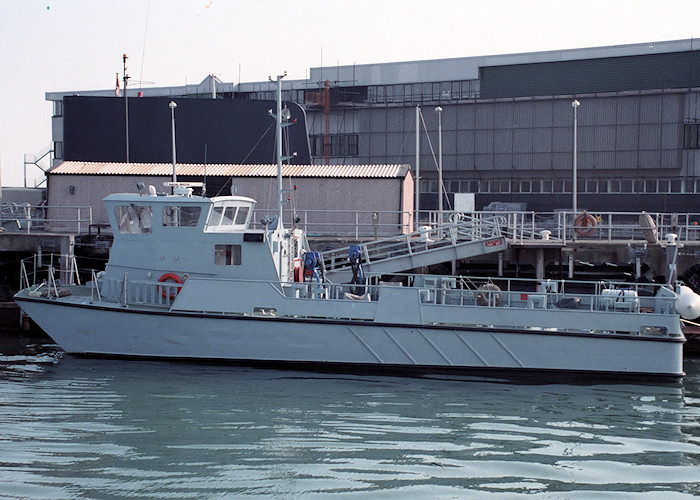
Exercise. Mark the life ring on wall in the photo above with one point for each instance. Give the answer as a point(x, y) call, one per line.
point(585, 224)
point(170, 277)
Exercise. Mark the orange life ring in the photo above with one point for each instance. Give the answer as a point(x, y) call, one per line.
point(170, 277)
point(585, 224)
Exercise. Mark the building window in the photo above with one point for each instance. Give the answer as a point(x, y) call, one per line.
point(371, 93)
point(407, 92)
point(58, 108)
point(227, 255)
point(389, 93)
point(398, 93)
point(455, 90)
point(339, 145)
point(353, 145)
point(58, 150)
point(380, 94)
point(466, 94)
point(436, 91)
point(417, 92)
point(427, 92)
point(690, 136)
point(445, 91)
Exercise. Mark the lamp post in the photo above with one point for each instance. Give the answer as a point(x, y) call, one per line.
point(438, 110)
point(575, 104)
point(417, 179)
point(172, 119)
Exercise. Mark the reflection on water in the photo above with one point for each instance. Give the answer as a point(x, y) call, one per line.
point(98, 428)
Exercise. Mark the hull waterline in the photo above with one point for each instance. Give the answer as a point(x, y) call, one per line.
point(129, 332)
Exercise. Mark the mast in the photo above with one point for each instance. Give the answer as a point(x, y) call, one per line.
point(279, 148)
point(417, 178)
point(282, 117)
point(173, 105)
point(126, 107)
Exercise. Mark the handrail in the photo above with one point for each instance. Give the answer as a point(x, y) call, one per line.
point(52, 282)
point(360, 223)
point(520, 226)
point(602, 297)
point(468, 229)
point(94, 288)
point(32, 218)
point(44, 268)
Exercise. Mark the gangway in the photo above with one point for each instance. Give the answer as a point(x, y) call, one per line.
point(469, 237)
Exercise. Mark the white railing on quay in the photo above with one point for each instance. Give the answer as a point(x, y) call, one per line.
point(44, 218)
point(608, 226)
point(345, 223)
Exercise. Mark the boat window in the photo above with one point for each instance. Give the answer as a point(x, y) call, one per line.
point(229, 216)
point(215, 217)
point(227, 255)
point(241, 216)
point(134, 219)
point(181, 216)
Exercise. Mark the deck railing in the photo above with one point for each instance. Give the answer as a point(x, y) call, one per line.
point(515, 293)
point(54, 269)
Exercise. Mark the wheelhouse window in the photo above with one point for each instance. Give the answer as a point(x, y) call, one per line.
point(134, 219)
point(228, 215)
point(181, 216)
point(227, 255)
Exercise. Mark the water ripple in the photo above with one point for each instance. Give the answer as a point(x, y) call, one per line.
point(88, 428)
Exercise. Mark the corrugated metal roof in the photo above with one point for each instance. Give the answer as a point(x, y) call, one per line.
point(226, 170)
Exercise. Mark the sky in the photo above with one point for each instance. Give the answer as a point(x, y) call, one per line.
point(77, 45)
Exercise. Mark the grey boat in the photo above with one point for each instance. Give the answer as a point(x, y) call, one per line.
point(193, 278)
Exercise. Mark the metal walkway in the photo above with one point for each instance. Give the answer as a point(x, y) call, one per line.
point(467, 238)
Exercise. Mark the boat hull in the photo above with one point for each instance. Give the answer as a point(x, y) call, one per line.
point(91, 329)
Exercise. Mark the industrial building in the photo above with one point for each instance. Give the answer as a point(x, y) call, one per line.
point(317, 195)
point(506, 121)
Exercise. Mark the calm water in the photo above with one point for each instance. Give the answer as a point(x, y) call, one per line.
point(72, 428)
